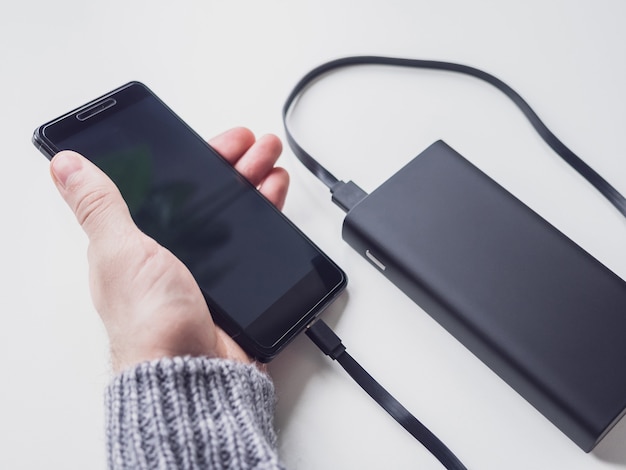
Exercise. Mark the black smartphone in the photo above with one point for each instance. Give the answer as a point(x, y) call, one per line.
point(263, 279)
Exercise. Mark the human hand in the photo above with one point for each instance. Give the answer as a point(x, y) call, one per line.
point(150, 304)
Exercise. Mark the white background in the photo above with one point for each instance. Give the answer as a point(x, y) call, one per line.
point(225, 63)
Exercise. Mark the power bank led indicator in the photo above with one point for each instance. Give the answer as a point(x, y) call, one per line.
point(375, 260)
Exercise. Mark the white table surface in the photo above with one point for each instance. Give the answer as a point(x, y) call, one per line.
point(225, 63)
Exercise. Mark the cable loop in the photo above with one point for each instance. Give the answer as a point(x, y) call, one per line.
point(603, 186)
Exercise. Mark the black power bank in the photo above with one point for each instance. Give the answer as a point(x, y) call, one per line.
point(541, 312)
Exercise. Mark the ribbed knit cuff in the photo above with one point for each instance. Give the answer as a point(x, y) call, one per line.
point(191, 413)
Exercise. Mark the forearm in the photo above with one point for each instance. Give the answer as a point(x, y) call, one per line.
point(192, 413)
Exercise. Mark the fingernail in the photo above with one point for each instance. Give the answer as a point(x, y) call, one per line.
point(64, 165)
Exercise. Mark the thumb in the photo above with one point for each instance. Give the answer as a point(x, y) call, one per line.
point(92, 196)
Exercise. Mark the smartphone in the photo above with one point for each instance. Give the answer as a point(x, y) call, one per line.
point(263, 279)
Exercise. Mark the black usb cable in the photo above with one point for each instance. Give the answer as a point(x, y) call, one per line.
point(331, 345)
point(347, 195)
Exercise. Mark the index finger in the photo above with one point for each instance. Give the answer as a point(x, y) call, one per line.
point(233, 144)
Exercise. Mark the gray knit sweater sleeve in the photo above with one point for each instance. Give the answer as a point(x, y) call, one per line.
point(191, 413)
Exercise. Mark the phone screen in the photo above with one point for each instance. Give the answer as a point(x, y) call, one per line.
point(258, 272)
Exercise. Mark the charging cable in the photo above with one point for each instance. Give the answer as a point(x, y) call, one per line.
point(331, 345)
point(347, 194)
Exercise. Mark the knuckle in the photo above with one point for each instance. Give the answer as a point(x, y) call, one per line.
point(92, 207)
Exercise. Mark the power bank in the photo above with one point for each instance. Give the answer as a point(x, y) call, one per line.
point(541, 312)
